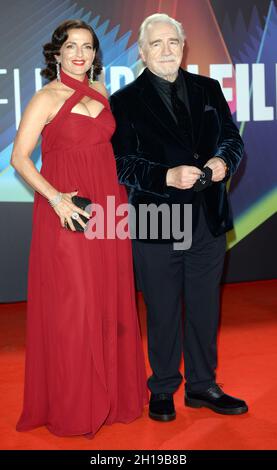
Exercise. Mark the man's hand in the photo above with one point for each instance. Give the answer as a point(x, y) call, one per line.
point(218, 167)
point(183, 176)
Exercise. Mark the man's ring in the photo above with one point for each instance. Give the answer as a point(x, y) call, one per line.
point(75, 215)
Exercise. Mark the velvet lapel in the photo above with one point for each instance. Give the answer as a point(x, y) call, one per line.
point(156, 106)
point(196, 103)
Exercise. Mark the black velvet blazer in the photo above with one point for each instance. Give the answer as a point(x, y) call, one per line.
point(147, 142)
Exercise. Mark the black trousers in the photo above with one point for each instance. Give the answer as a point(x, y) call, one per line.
point(171, 280)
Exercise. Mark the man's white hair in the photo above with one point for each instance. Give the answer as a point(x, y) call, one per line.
point(159, 18)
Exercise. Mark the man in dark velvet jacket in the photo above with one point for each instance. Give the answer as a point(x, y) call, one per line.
point(171, 126)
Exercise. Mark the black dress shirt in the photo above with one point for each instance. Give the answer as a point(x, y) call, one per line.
point(164, 88)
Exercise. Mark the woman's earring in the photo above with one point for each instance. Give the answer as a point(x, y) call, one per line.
point(91, 74)
point(58, 68)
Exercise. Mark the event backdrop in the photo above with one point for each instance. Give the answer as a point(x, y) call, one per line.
point(232, 43)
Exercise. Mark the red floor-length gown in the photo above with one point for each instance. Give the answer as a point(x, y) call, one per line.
point(84, 358)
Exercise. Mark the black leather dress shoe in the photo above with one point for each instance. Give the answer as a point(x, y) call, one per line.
point(215, 399)
point(161, 407)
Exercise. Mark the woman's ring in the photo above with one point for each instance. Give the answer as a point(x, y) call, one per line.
point(75, 215)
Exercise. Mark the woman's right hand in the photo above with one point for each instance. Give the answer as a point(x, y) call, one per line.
point(65, 208)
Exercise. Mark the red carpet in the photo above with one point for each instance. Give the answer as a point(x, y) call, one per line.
point(247, 369)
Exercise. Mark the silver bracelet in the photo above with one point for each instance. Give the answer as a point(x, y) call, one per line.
point(55, 200)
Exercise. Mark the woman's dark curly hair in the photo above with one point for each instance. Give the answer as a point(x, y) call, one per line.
point(59, 36)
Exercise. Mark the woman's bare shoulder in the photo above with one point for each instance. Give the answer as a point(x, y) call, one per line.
point(53, 88)
point(42, 97)
point(51, 94)
point(100, 87)
point(47, 92)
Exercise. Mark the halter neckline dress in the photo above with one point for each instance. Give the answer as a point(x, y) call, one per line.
point(84, 359)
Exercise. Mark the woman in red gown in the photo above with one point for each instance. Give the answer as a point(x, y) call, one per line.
point(84, 358)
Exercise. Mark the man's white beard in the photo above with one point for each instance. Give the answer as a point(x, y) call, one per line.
point(168, 72)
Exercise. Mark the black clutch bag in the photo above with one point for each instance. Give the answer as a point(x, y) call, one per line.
point(81, 202)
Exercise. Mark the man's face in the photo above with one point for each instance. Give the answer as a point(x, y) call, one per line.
point(162, 51)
